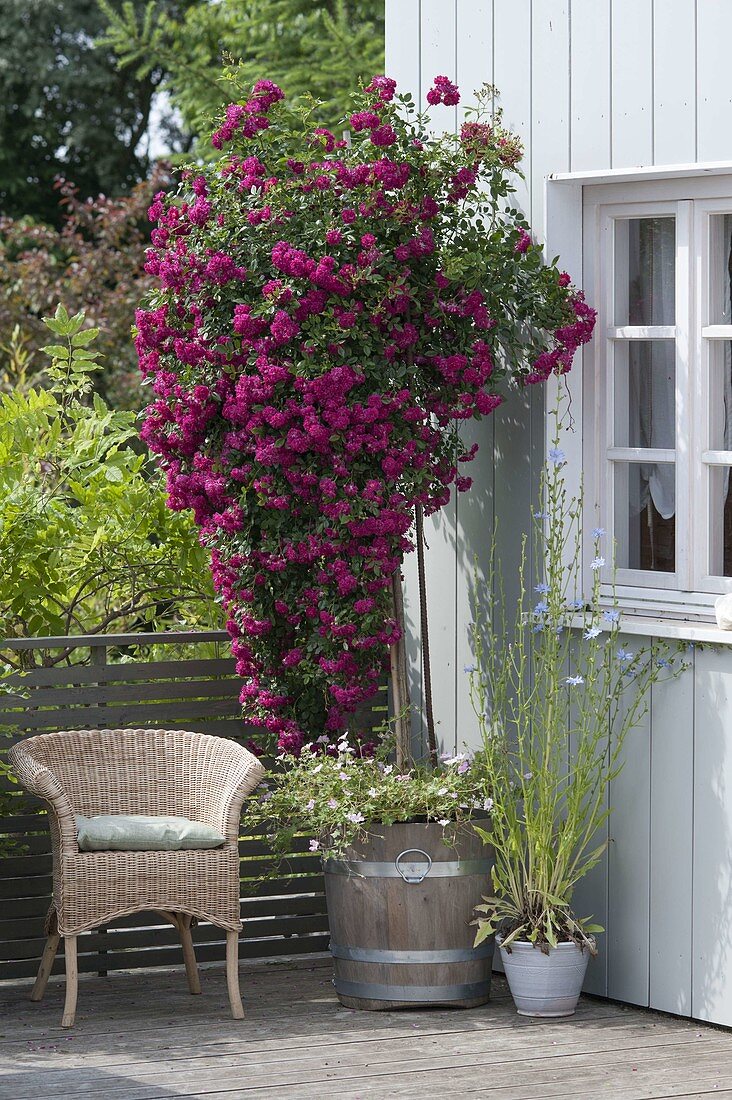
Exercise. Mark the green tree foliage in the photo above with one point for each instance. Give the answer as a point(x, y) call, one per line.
point(86, 540)
point(95, 262)
point(66, 108)
point(300, 44)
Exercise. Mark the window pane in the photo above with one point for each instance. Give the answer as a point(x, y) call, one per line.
point(720, 512)
point(645, 271)
point(720, 268)
point(720, 395)
point(645, 505)
point(645, 395)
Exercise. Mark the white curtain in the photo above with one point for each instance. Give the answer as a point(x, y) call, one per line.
point(652, 263)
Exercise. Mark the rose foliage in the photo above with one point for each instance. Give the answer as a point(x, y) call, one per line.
point(327, 314)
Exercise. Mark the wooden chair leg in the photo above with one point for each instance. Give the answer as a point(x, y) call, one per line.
point(72, 982)
point(189, 955)
point(232, 975)
point(44, 970)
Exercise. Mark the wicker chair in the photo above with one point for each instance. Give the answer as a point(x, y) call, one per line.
point(155, 772)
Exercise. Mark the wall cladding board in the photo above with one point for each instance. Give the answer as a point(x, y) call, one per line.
point(672, 828)
point(589, 69)
point(674, 81)
point(628, 861)
point(632, 83)
point(712, 856)
point(714, 88)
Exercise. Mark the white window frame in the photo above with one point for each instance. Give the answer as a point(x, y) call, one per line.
point(579, 213)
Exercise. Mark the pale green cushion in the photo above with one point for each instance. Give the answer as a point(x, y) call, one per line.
point(138, 833)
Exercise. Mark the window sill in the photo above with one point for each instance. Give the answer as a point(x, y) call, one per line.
point(678, 629)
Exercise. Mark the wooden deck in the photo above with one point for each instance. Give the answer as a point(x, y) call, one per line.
point(140, 1036)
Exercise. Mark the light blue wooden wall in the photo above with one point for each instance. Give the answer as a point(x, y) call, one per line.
point(596, 84)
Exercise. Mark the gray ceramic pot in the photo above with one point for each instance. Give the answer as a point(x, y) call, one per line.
point(544, 985)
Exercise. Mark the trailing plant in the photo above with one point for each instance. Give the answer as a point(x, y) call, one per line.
point(86, 541)
point(335, 795)
point(556, 691)
point(327, 313)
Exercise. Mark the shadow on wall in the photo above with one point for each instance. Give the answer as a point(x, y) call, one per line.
point(505, 476)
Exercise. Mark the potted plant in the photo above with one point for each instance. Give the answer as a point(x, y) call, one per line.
point(556, 692)
point(403, 869)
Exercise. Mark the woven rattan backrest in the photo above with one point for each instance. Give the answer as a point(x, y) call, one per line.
point(171, 772)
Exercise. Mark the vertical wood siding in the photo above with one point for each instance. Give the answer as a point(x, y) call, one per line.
point(596, 84)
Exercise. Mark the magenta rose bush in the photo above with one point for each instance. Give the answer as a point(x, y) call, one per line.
point(327, 313)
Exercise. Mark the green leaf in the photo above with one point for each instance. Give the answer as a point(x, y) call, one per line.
point(113, 473)
point(76, 322)
point(57, 351)
point(81, 339)
point(485, 929)
point(83, 356)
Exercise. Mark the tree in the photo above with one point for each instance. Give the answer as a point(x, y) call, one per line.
point(301, 44)
point(86, 541)
point(67, 110)
point(94, 261)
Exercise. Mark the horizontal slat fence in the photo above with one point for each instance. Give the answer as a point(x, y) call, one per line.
point(123, 681)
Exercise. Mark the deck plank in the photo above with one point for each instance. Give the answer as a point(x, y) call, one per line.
point(140, 1036)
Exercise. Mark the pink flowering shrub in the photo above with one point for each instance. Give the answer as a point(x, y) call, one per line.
point(326, 315)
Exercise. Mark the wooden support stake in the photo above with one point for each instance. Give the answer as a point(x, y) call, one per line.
point(399, 681)
point(425, 633)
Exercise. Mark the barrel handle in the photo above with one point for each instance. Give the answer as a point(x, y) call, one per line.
point(413, 880)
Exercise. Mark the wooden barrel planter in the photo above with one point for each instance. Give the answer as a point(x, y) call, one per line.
point(399, 906)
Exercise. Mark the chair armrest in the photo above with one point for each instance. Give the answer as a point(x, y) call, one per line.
point(236, 775)
point(40, 780)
